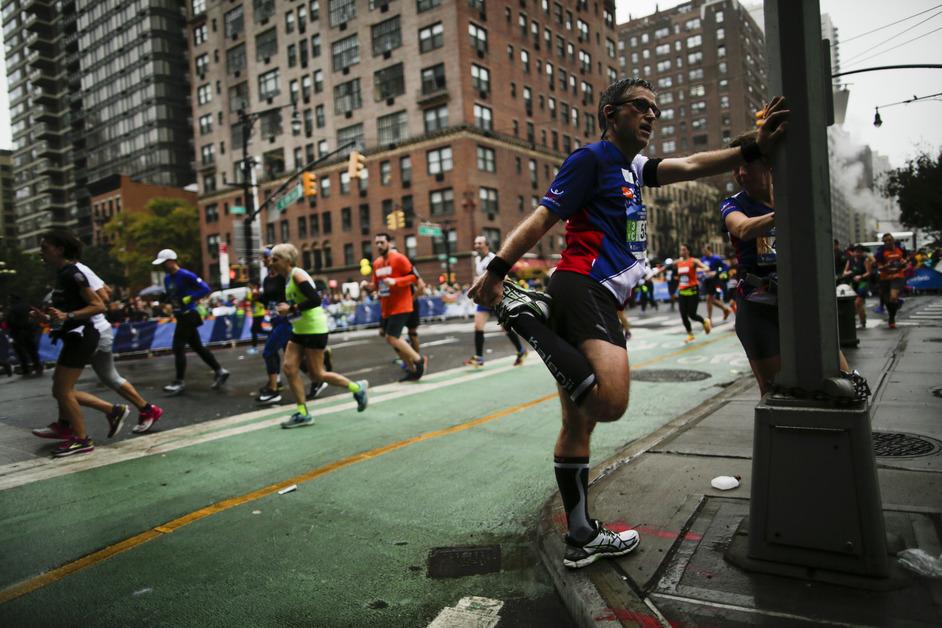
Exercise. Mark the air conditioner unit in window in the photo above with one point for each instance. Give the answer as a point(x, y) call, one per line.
point(482, 93)
point(343, 26)
point(407, 183)
point(491, 215)
point(387, 54)
point(440, 176)
point(480, 53)
point(390, 101)
point(347, 114)
point(345, 71)
point(267, 60)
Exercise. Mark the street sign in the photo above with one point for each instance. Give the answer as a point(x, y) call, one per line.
point(291, 196)
point(430, 229)
point(237, 210)
point(442, 257)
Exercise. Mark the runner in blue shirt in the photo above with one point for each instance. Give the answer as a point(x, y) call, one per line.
point(575, 328)
point(714, 279)
point(184, 289)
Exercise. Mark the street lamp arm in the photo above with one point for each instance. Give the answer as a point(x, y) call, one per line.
point(889, 67)
point(293, 177)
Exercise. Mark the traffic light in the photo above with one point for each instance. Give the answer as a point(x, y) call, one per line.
point(308, 184)
point(396, 219)
point(356, 165)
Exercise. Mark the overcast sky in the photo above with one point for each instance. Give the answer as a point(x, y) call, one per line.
point(906, 128)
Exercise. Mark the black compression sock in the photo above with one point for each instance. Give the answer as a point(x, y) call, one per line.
point(479, 343)
point(570, 368)
point(515, 339)
point(572, 478)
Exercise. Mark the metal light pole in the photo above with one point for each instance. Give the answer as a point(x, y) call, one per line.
point(247, 121)
point(815, 499)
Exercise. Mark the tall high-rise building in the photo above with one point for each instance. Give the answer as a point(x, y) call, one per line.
point(45, 108)
point(464, 109)
point(97, 88)
point(706, 61)
point(7, 217)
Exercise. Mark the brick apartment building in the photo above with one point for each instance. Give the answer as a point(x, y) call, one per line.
point(706, 60)
point(464, 109)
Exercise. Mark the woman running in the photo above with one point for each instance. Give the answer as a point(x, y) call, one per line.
point(309, 333)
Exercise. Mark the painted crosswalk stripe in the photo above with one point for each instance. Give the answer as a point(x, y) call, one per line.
point(469, 612)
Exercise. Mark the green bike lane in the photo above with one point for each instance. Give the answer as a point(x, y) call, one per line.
point(350, 545)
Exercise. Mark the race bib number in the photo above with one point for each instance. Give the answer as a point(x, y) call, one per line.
point(765, 249)
point(383, 289)
point(684, 280)
point(637, 237)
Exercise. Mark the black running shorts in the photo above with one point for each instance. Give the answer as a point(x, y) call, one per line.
point(757, 328)
point(393, 325)
point(78, 349)
point(310, 341)
point(413, 320)
point(583, 309)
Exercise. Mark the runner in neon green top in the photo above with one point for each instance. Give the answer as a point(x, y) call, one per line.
point(309, 332)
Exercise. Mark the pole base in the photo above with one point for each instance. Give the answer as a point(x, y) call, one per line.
point(737, 554)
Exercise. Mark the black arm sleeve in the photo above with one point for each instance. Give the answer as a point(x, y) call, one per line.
point(312, 295)
point(649, 173)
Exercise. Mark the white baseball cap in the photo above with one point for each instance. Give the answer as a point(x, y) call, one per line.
point(165, 255)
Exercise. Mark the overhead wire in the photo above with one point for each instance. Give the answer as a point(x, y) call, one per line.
point(888, 40)
point(909, 41)
point(880, 28)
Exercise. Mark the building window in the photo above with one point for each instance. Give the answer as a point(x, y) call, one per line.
point(348, 253)
point(431, 37)
point(480, 78)
point(433, 78)
point(268, 85)
point(199, 35)
point(389, 82)
point(694, 57)
point(441, 202)
point(234, 22)
point(478, 37)
point(206, 124)
point(212, 245)
point(315, 46)
point(488, 199)
point(486, 159)
point(207, 154)
point(341, 11)
point(326, 224)
point(211, 211)
point(351, 134)
point(344, 53)
point(346, 222)
point(483, 117)
point(392, 128)
point(385, 173)
point(405, 169)
point(435, 118)
point(266, 45)
point(669, 146)
point(235, 59)
point(204, 94)
point(439, 160)
point(238, 97)
point(289, 22)
point(387, 36)
point(201, 63)
point(324, 191)
point(347, 97)
point(302, 227)
point(319, 119)
point(425, 5)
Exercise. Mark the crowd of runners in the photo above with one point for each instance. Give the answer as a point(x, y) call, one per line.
point(577, 326)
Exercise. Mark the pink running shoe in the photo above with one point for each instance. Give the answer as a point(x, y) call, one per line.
point(146, 420)
point(55, 430)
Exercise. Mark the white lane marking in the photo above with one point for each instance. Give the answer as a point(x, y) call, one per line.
point(35, 469)
point(469, 612)
point(443, 341)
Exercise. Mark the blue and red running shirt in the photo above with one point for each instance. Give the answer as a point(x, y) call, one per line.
point(757, 256)
point(598, 193)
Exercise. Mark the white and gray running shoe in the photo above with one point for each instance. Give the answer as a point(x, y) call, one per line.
point(604, 544)
point(517, 301)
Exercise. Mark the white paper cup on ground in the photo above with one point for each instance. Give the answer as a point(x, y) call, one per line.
point(725, 482)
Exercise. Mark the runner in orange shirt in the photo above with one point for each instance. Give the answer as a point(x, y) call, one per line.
point(891, 262)
point(392, 280)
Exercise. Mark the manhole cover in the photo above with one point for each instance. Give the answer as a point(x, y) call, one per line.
point(668, 375)
point(468, 560)
point(902, 445)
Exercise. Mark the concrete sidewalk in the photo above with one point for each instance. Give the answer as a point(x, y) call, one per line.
point(661, 486)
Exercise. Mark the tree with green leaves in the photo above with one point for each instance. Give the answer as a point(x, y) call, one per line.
point(168, 223)
point(24, 274)
point(917, 188)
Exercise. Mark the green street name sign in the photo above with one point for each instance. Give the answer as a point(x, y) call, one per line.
point(431, 230)
point(291, 196)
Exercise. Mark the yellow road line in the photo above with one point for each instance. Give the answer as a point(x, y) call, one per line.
point(28, 586)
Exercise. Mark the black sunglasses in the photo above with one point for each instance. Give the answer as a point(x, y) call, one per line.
point(641, 105)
